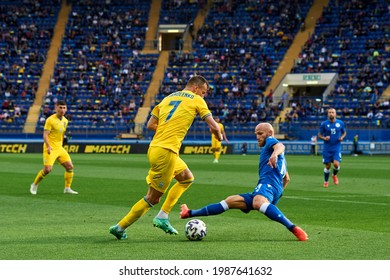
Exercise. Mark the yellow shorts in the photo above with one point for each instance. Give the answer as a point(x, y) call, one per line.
point(216, 145)
point(59, 154)
point(164, 166)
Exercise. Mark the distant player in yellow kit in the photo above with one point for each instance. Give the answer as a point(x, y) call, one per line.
point(171, 119)
point(216, 145)
point(53, 135)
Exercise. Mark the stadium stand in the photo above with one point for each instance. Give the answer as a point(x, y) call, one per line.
point(238, 59)
point(101, 72)
point(26, 30)
point(351, 39)
point(178, 11)
point(106, 66)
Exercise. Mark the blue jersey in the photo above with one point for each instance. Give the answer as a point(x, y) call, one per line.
point(270, 184)
point(267, 174)
point(334, 130)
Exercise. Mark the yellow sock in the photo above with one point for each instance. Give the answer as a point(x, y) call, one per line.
point(137, 211)
point(217, 154)
point(40, 176)
point(68, 176)
point(174, 194)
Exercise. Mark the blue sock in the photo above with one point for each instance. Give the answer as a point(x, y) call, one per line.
point(326, 174)
point(273, 212)
point(335, 171)
point(211, 209)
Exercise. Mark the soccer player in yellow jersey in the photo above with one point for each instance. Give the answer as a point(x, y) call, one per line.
point(170, 120)
point(53, 135)
point(216, 145)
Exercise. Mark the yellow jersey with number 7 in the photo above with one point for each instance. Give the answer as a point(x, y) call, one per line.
point(175, 114)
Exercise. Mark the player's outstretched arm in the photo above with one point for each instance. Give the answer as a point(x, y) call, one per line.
point(225, 138)
point(214, 127)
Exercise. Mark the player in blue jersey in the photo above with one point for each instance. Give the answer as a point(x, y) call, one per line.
point(273, 178)
point(332, 131)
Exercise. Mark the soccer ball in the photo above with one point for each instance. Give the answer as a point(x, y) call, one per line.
point(196, 230)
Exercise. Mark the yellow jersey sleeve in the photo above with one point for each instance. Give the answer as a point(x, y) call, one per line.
point(57, 128)
point(175, 114)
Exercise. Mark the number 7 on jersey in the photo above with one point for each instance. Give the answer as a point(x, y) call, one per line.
point(175, 104)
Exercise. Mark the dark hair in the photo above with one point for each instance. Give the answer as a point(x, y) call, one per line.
point(60, 102)
point(198, 81)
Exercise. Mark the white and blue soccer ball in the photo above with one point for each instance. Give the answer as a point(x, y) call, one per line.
point(195, 230)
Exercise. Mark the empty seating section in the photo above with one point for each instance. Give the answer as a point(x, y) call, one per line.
point(26, 28)
point(101, 72)
point(351, 39)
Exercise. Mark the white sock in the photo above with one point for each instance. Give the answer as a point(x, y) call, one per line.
point(162, 215)
point(264, 207)
point(224, 205)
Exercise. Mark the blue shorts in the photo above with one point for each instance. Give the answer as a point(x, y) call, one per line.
point(269, 192)
point(330, 156)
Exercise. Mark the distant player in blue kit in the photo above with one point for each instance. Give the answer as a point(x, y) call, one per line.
point(332, 131)
point(273, 178)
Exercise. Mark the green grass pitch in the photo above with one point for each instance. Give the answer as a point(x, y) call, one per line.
point(346, 222)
